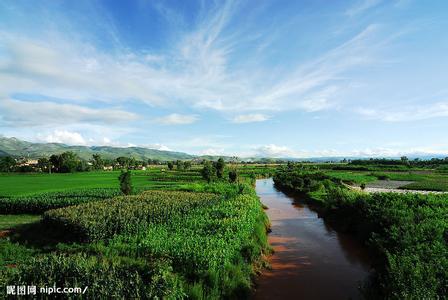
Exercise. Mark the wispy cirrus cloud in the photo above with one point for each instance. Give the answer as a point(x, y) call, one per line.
point(250, 118)
point(198, 71)
point(177, 119)
point(407, 113)
point(97, 74)
point(361, 6)
point(26, 113)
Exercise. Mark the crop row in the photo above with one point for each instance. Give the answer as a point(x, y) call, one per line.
point(39, 203)
point(126, 214)
point(162, 244)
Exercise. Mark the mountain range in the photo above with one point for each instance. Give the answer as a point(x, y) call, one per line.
point(18, 148)
point(10, 146)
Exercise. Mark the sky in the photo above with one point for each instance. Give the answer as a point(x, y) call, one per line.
point(303, 78)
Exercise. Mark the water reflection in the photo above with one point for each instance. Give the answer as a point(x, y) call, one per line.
point(311, 259)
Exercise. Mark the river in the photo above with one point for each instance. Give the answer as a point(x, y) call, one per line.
point(311, 260)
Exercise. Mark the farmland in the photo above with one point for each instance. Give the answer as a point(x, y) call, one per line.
point(176, 236)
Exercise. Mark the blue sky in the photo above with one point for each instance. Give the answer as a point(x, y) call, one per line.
point(269, 78)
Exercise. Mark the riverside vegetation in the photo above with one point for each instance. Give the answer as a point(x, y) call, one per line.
point(408, 233)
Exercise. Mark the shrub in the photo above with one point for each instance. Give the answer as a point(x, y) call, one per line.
point(125, 182)
point(233, 176)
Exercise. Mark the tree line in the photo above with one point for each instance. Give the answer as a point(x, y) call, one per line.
point(69, 162)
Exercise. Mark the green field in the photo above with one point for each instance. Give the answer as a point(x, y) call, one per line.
point(177, 236)
point(11, 221)
point(430, 180)
point(20, 184)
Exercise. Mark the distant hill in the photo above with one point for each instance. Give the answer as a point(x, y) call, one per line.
point(19, 148)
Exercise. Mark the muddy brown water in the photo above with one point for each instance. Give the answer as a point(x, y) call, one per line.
point(311, 260)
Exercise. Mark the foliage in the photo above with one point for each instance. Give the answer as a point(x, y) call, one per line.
point(408, 232)
point(125, 182)
point(97, 162)
point(39, 203)
point(104, 277)
point(44, 164)
point(233, 176)
point(130, 214)
point(294, 177)
point(170, 165)
point(208, 171)
point(219, 166)
point(66, 162)
point(7, 164)
point(158, 244)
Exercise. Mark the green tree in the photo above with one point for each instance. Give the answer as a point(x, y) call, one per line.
point(125, 182)
point(208, 171)
point(179, 165)
point(187, 165)
point(404, 160)
point(66, 162)
point(7, 164)
point(233, 176)
point(123, 161)
point(97, 162)
point(44, 164)
point(170, 165)
point(220, 165)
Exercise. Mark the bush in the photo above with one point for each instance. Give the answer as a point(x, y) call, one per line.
point(409, 233)
point(125, 182)
point(233, 176)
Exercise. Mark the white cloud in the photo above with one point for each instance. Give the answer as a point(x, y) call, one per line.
point(64, 137)
point(276, 151)
point(199, 70)
point(25, 113)
point(177, 119)
point(272, 150)
point(249, 118)
point(362, 6)
point(213, 152)
point(406, 114)
point(158, 147)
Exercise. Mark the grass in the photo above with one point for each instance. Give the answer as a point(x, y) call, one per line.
point(11, 221)
point(14, 184)
point(423, 180)
point(208, 251)
point(352, 176)
point(429, 185)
